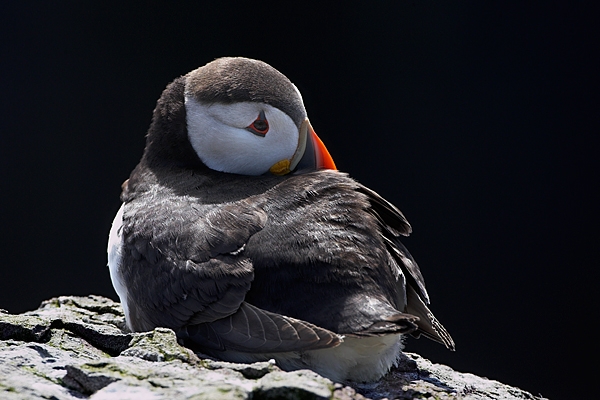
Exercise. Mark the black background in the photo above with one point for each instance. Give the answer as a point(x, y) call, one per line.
point(476, 119)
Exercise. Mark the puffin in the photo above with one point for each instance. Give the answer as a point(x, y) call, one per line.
point(237, 231)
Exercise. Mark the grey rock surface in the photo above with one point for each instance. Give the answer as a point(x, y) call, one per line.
point(78, 348)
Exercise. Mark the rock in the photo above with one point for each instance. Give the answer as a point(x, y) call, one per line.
point(78, 347)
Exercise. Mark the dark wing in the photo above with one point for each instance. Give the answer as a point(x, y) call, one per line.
point(320, 258)
point(393, 225)
point(187, 271)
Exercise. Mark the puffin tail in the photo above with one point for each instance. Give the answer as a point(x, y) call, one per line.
point(428, 325)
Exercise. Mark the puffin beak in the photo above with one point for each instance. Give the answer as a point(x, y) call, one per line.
point(311, 154)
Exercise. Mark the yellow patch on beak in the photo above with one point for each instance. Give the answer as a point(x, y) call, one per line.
point(280, 167)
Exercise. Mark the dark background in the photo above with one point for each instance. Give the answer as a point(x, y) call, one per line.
point(476, 119)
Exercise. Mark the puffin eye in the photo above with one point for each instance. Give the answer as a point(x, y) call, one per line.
point(260, 126)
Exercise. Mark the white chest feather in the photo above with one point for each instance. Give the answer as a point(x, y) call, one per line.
point(115, 250)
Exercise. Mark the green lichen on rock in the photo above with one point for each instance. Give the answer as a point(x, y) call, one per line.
point(73, 344)
point(23, 327)
point(78, 347)
point(158, 345)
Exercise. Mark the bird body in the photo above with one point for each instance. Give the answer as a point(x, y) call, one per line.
point(237, 232)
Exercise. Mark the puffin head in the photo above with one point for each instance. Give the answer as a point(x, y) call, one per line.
point(239, 116)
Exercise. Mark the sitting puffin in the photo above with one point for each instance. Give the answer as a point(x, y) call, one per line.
point(237, 232)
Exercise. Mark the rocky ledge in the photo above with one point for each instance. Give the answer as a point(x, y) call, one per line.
point(78, 348)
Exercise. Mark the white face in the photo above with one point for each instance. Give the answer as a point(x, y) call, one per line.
point(219, 136)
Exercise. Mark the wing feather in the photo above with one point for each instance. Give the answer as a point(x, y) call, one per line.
point(254, 330)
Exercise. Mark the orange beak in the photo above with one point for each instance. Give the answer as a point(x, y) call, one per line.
point(311, 153)
point(324, 159)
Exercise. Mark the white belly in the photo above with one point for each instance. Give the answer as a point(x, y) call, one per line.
point(356, 359)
